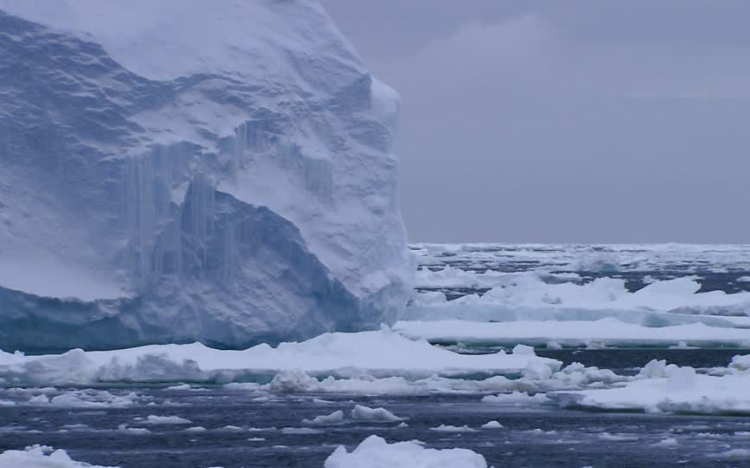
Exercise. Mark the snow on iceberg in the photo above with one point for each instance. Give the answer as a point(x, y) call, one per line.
point(380, 353)
point(375, 452)
point(607, 331)
point(232, 187)
point(669, 389)
point(40, 457)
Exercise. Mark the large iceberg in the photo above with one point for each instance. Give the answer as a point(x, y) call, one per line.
point(190, 170)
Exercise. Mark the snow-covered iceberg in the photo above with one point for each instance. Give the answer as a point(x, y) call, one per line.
point(192, 170)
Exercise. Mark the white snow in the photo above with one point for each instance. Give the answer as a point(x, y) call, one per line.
point(375, 452)
point(381, 353)
point(364, 413)
point(40, 457)
point(573, 332)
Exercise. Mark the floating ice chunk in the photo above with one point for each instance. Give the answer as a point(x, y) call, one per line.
point(607, 331)
point(179, 387)
point(363, 413)
point(40, 456)
point(165, 420)
point(231, 428)
point(617, 437)
point(537, 371)
point(448, 428)
point(300, 431)
point(133, 430)
point(733, 454)
point(552, 344)
point(668, 442)
point(523, 350)
point(516, 399)
point(492, 425)
point(741, 363)
point(743, 279)
point(336, 417)
point(375, 452)
point(195, 429)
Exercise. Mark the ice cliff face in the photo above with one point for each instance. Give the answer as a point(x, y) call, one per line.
point(191, 170)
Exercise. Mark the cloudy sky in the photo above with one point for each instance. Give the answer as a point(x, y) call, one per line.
point(575, 121)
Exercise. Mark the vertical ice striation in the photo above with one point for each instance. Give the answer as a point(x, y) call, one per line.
point(158, 185)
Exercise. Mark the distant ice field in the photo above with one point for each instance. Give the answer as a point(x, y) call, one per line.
point(654, 295)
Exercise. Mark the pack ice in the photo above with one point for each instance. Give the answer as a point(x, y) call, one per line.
point(191, 170)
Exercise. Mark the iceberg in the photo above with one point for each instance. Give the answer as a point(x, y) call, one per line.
point(162, 186)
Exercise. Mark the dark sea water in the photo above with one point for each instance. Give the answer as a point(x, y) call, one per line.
point(542, 437)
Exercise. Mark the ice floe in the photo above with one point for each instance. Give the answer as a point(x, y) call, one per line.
point(381, 353)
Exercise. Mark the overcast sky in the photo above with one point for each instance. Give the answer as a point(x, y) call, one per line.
point(574, 121)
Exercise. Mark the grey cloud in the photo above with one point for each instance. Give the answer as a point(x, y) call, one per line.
point(591, 122)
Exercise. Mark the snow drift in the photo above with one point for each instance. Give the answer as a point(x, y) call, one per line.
point(192, 170)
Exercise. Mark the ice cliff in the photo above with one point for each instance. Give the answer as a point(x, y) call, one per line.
point(189, 170)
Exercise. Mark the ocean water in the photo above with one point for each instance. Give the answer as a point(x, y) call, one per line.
point(531, 437)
